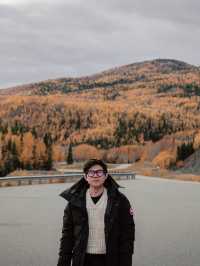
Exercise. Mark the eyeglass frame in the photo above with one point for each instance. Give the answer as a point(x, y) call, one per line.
point(95, 172)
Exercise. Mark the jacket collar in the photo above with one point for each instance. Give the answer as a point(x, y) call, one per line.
point(76, 193)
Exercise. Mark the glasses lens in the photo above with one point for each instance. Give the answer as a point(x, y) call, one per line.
point(100, 173)
point(90, 173)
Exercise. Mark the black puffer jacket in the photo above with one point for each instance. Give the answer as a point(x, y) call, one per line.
point(119, 226)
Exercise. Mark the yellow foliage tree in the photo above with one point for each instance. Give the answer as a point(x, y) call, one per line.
point(58, 153)
point(26, 155)
point(84, 152)
point(164, 159)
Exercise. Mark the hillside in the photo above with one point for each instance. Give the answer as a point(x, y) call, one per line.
point(121, 78)
point(142, 111)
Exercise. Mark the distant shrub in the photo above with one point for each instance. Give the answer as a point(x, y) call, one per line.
point(166, 88)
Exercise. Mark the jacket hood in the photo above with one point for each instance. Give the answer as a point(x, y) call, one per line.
point(79, 188)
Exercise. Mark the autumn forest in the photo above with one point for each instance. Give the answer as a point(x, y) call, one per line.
point(148, 111)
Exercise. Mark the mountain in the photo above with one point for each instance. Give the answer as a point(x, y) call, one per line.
point(120, 78)
point(141, 111)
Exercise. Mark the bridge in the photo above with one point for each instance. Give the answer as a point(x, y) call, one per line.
point(48, 179)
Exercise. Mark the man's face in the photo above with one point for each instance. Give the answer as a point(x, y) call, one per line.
point(96, 176)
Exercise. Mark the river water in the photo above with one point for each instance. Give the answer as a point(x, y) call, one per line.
point(167, 221)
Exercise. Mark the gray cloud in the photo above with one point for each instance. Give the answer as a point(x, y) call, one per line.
point(178, 11)
point(74, 38)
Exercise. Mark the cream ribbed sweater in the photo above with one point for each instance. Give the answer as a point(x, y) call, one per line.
point(96, 212)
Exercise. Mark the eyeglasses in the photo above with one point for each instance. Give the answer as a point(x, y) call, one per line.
point(99, 173)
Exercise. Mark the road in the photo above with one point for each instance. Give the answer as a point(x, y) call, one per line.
point(167, 223)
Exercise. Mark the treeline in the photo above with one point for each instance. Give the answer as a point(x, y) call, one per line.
point(189, 89)
point(76, 86)
point(27, 151)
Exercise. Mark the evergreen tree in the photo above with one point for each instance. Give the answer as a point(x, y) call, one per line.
point(48, 143)
point(78, 121)
point(34, 133)
point(34, 160)
point(184, 151)
point(69, 157)
point(9, 145)
point(2, 171)
point(15, 156)
point(8, 164)
point(49, 162)
point(5, 129)
point(47, 139)
point(120, 131)
point(28, 166)
point(14, 128)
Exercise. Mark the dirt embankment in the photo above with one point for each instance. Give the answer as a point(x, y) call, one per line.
point(148, 169)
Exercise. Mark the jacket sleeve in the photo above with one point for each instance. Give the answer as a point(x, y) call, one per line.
point(127, 233)
point(66, 240)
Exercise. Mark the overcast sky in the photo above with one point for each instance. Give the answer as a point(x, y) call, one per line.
point(41, 39)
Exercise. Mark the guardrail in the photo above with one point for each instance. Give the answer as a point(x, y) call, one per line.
point(48, 179)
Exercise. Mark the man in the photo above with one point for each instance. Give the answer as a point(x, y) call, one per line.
point(98, 223)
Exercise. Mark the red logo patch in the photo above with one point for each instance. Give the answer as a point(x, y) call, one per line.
point(131, 211)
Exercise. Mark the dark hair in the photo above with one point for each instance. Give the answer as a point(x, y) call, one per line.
point(92, 162)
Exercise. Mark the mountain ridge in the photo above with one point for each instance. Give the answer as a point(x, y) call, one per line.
point(122, 75)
